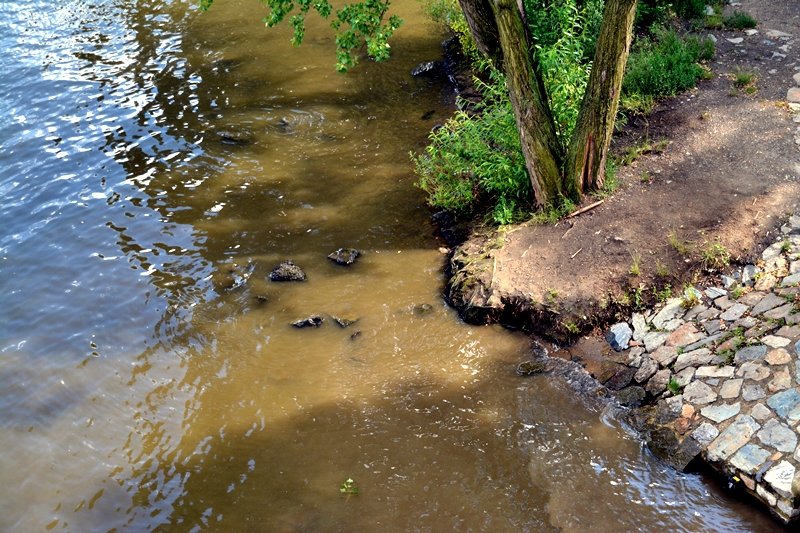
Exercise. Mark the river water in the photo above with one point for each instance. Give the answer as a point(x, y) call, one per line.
point(155, 164)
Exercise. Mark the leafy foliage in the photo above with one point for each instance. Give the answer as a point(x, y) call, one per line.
point(665, 64)
point(476, 159)
point(358, 25)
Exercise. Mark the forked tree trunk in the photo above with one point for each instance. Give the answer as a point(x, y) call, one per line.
point(500, 32)
point(586, 154)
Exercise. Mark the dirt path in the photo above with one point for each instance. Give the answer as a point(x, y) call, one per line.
point(729, 173)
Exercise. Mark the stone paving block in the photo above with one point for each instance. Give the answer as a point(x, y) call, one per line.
point(750, 353)
point(734, 312)
point(780, 478)
point(761, 412)
point(760, 329)
point(648, 367)
point(705, 433)
point(786, 404)
point(734, 437)
point(715, 292)
point(770, 498)
point(685, 334)
point(658, 383)
point(779, 312)
point(746, 322)
point(753, 370)
point(685, 376)
point(752, 392)
point(790, 281)
point(697, 357)
point(769, 301)
point(639, 326)
point(654, 339)
point(671, 310)
point(715, 372)
point(752, 298)
point(724, 302)
point(778, 356)
point(712, 326)
point(749, 458)
point(775, 342)
point(778, 436)
point(720, 413)
point(790, 332)
point(710, 314)
point(731, 389)
point(781, 380)
point(703, 342)
point(699, 393)
point(692, 313)
point(665, 355)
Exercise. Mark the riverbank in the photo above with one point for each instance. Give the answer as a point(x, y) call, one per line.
point(713, 178)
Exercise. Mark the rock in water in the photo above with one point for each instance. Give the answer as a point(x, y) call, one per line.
point(287, 271)
point(314, 321)
point(343, 322)
point(529, 368)
point(619, 336)
point(232, 138)
point(429, 68)
point(344, 256)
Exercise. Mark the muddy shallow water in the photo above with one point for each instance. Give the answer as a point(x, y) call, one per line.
point(155, 164)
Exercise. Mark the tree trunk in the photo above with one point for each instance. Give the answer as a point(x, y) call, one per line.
point(503, 35)
point(586, 154)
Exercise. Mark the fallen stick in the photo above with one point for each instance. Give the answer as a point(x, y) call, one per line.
point(585, 209)
point(576, 253)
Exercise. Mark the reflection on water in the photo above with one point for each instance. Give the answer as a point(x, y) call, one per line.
point(155, 165)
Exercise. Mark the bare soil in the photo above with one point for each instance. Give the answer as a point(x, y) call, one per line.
point(729, 173)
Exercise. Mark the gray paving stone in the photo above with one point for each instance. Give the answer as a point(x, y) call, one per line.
point(705, 433)
point(781, 380)
point(699, 393)
point(672, 325)
point(752, 298)
point(658, 383)
point(715, 292)
point(779, 312)
point(712, 326)
point(692, 313)
point(731, 388)
point(786, 404)
point(685, 376)
point(639, 326)
point(778, 436)
point(648, 367)
point(715, 372)
point(734, 312)
point(697, 357)
point(775, 342)
point(749, 458)
point(753, 370)
point(720, 413)
point(750, 353)
point(665, 355)
point(667, 313)
point(790, 332)
point(770, 301)
point(734, 437)
point(761, 412)
point(711, 314)
point(752, 392)
point(746, 322)
point(703, 342)
point(654, 339)
point(780, 478)
point(766, 495)
point(797, 348)
point(789, 281)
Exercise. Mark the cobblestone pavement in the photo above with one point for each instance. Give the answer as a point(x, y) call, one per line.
point(723, 368)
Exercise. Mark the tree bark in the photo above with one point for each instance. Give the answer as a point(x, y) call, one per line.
point(499, 29)
point(586, 154)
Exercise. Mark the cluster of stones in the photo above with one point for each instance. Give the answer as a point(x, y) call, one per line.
point(722, 368)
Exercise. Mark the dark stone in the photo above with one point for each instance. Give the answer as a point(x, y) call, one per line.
point(665, 444)
point(428, 68)
point(343, 322)
point(621, 378)
point(261, 299)
point(619, 336)
point(344, 256)
point(231, 138)
point(631, 396)
point(422, 309)
point(314, 321)
point(287, 271)
point(428, 114)
point(529, 368)
point(355, 335)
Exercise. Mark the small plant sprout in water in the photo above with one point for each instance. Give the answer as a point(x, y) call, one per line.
point(348, 488)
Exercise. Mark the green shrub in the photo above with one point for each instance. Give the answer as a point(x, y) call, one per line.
point(740, 20)
point(448, 13)
point(475, 160)
point(665, 65)
point(657, 12)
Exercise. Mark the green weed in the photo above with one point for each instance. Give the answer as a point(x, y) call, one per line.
point(714, 256)
point(740, 20)
point(677, 244)
point(635, 269)
point(348, 488)
point(673, 386)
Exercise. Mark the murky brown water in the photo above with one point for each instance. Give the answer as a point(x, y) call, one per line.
point(143, 388)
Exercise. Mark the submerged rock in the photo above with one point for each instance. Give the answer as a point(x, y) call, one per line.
point(314, 321)
point(287, 271)
point(529, 368)
point(343, 322)
point(632, 396)
point(344, 256)
point(234, 138)
point(422, 309)
point(428, 68)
